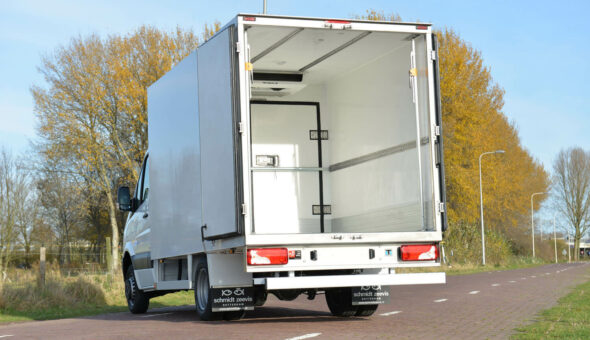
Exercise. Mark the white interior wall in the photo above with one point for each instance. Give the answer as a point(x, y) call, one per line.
point(372, 110)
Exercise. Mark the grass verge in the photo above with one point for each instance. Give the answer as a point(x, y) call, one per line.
point(570, 319)
point(66, 297)
point(473, 268)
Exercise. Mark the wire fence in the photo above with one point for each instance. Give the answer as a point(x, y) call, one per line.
point(64, 261)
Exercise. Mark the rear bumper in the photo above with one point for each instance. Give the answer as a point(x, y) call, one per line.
point(334, 281)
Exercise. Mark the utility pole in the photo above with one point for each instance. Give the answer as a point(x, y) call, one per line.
point(264, 7)
point(533, 219)
point(554, 238)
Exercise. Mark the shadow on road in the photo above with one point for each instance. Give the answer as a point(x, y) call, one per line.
point(260, 315)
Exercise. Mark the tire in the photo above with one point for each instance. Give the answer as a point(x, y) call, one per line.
point(340, 302)
point(366, 310)
point(137, 301)
point(203, 298)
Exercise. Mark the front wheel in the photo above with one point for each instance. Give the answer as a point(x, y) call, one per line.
point(137, 301)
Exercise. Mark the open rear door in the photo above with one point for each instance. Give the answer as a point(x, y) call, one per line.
point(219, 136)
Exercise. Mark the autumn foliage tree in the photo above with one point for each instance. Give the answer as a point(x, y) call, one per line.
point(474, 123)
point(92, 115)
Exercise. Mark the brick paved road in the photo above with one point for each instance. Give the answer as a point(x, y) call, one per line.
point(478, 306)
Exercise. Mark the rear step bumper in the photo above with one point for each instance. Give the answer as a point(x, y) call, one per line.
point(332, 281)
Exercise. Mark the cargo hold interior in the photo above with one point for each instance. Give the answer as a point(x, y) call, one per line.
point(340, 138)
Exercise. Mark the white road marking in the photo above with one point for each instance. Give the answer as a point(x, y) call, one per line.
point(391, 313)
point(440, 300)
point(512, 281)
point(523, 278)
point(305, 336)
point(533, 276)
point(152, 315)
point(5, 336)
point(547, 273)
point(474, 292)
point(495, 284)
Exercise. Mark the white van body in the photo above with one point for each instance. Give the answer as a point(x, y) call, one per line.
point(316, 138)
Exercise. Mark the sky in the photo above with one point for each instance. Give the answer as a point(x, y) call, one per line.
point(536, 50)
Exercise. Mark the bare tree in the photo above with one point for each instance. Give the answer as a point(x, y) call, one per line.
point(572, 189)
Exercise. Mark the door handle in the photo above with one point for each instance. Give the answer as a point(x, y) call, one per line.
point(145, 215)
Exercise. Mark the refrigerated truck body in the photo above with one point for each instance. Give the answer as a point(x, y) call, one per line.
point(290, 156)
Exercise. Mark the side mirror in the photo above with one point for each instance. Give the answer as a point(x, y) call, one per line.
point(124, 199)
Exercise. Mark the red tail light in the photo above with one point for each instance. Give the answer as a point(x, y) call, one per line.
point(421, 27)
point(337, 22)
point(249, 18)
point(419, 252)
point(267, 256)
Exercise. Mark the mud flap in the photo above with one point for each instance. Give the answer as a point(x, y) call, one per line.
point(232, 299)
point(370, 295)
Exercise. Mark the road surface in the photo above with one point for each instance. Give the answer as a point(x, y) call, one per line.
point(477, 306)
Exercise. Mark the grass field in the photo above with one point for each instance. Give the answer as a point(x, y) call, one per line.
point(570, 319)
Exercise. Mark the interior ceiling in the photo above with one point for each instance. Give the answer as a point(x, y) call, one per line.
point(308, 45)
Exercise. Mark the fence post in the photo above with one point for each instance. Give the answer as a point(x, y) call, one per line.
point(109, 254)
point(42, 266)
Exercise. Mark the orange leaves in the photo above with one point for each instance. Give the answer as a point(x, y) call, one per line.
point(474, 123)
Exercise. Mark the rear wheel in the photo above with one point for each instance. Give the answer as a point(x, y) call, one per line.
point(340, 302)
point(203, 298)
point(366, 310)
point(137, 301)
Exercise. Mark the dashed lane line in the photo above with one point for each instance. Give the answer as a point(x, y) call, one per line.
point(474, 292)
point(440, 300)
point(512, 281)
point(391, 313)
point(495, 284)
point(6, 336)
point(305, 336)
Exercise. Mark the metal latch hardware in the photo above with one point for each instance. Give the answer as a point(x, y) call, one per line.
point(441, 207)
point(325, 210)
point(313, 134)
point(240, 127)
point(243, 209)
point(437, 130)
point(433, 55)
point(238, 47)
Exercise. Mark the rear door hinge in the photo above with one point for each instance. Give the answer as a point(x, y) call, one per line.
point(243, 209)
point(441, 207)
point(240, 127)
point(238, 47)
point(433, 55)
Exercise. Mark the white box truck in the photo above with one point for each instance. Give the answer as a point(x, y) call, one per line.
point(290, 156)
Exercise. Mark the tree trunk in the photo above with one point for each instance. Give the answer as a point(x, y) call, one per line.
point(115, 232)
point(577, 246)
